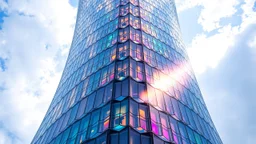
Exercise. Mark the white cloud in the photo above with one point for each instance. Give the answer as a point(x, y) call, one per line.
point(32, 75)
point(252, 42)
point(3, 5)
point(4, 139)
point(207, 51)
point(212, 11)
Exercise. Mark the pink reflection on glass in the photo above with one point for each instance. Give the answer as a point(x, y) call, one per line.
point(176, 76)
point(154, 128)
point(111, 77)
point(106, 124)
point(166, 134)
point(143, 124)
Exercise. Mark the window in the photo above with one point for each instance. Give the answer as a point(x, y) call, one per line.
point(138, 116)
point(114, 138)
point(134, 22)
point(165, 126)
point(123, 34)
point(107, 74)
point(85, 87)
point(136, 70)
point(145, 139)
point(198, 138)
point(73, 114)
point(151, 95)
point(175, 130)
point(134, 10)
point(123, 139)
point(183, 113)
point(90, 103)
point(134, 2)
point(122, 69)
point(158, 140)
point(124, 10)
point(123, 50)
point(119, 115)
point(155, 121)
point(65, 136)
point(124, 21)
point(183, 133)
point(79, 91)
point(113, 54)
point(73, 132)
point(138, 91)
point(93, 128)
point(104, 118)
point(134, 137)
point(72, 97)
point(96, 80)
point(99, 98)
point(121, 90)
point(108, 92)
point(83, 128)
point(81, 108)
point(57, 130)
point(190, 118)
point(124, 2)
point(168, 103)
point(113, 25)
point(65, 122)
point(149, 74)
point(135, 35)
point(176, 109)
point(191, 135)
point(136, 51)
point(160, 99)
point(90, 84)
point(102, 139)
point(149, 57)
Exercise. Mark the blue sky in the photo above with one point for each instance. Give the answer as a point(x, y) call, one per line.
point(35, 37)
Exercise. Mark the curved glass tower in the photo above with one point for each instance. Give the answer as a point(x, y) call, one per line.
point(127, 80)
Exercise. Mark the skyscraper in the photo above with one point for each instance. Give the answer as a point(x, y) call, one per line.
point(127, 79)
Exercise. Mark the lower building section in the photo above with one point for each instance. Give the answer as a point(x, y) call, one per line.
point(120, 121)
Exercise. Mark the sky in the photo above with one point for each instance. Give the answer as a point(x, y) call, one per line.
point(220, 36)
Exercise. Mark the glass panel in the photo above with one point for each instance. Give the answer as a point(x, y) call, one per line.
point(64, 124)
point(122, 69)
point(83, 128)
point(94, 123)
point(108, 92)
point(133, 89)
point(123, 137)
point(102, 139)
point(74, 130)
point(65, 136)
point(90, 103)
point(99, 98)
point(125, 88)
point(134, 22)
point(145, 139)
point(165, 126)
point(73, 114)
point(155, 121)
point(123, 50)
point(114, 138)
point(124, 21)
point(81, 108)
point(105, 111)
point(134, 137)
point(123, 34)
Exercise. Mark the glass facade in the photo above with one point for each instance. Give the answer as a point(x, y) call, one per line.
point(127, 79)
